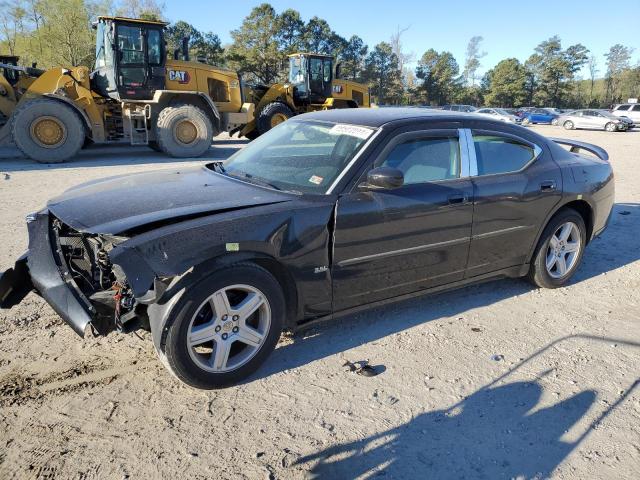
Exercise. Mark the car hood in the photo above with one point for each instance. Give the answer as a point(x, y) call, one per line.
point(116, 205)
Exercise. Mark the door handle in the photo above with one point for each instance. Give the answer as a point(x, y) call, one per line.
point(549, 186)
point(457, 198)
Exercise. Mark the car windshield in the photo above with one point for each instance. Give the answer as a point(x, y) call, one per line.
point(298, 156)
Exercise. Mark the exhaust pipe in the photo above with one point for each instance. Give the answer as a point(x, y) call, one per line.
point(185, 49)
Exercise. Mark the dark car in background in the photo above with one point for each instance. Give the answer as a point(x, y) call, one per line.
point(325, 214)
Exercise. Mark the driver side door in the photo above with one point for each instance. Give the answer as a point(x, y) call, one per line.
point(393, 242)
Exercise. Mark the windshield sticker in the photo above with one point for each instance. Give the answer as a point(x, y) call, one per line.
point(351, 130)
point(316, 179)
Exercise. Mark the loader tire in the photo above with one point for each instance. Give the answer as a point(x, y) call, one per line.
point(47, 131)
point(272, 115)
point(184, 131)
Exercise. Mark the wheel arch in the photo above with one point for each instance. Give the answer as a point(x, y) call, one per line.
point(166, 98)
point(582, 207)
point(159, 312)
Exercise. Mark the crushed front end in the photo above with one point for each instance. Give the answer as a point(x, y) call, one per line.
point(72, 271)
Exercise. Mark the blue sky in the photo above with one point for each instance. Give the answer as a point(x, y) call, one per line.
point(509, 28)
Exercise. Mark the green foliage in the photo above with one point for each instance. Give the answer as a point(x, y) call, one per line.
point(204, 46)
point(382, 73)
point(505, 84)
point(439, 73)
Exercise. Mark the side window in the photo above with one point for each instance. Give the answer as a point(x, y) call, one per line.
point(497, 154)
point(623, 108)
point(154, 47)
point(636, 108)
point(426, 159)
point(130, 45)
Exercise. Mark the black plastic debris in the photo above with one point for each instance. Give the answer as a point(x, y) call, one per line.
point(624, 212)
point(363, 368)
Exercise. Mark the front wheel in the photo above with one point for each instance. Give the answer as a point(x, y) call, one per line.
point(554, 122)
point(568, 125)
point(559, 250)
point(610, 127)
point(273, 115)
point(526, 121)
point(225, 326)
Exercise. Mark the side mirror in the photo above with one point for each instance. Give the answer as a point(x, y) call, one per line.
point(385, 178)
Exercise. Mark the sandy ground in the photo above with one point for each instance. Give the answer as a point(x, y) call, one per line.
point(493, 381)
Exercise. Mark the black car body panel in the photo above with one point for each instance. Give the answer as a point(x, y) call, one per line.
point(331, 253)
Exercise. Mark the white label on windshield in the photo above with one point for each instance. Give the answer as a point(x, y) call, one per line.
point(351, 130)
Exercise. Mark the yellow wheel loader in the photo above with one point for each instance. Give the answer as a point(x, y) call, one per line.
point(313, 84)
point(134, 95)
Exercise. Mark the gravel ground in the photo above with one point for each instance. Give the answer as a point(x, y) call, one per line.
point(498, 380)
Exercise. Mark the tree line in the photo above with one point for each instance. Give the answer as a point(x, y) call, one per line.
point(58, 32)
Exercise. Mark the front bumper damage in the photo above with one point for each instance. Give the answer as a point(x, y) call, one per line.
point(44, 269)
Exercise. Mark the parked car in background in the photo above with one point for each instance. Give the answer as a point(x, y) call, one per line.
point(630, 110)
point(593, 120)
point(459, 108)
point(522, 111)
point(323, 215)
point(499, 114)
point(630, 123)
point(539, 115)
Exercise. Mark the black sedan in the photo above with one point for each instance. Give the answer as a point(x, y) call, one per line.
point(327, 213)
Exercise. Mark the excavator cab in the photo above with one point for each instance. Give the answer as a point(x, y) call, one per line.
point(12, 76)
point(130, 58)
point(311, 75)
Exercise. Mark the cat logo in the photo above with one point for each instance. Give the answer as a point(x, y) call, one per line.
point(179, 76)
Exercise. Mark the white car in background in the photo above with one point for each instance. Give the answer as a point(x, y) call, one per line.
point(630, 110)
point(498, 114)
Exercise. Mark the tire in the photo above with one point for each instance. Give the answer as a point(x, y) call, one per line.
point(184, 131)
point(47, 130)
point(191, 364)
point(610, 127)
point(526, 121)
point(271, 115)
point(554, 122)
point(568, 125)
point(554, 277)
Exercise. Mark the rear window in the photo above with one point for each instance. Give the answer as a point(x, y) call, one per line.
point(622, 108)
point(636, 108)
point(498, 154)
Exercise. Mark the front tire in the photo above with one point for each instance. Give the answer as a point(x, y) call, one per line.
point(273, 115)
point(568, 125)
point(559, 251)
point(184, 131)
point(610, 127)
point(526, 121)
point(47, 131)
point(554, 122)
point(224, 327)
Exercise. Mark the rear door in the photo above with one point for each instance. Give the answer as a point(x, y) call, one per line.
point(393, 242)
point(515, 184)
point(634, 113)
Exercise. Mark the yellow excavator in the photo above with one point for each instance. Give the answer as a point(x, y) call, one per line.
point(137, 95)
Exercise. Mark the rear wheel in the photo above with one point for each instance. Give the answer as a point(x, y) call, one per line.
point(610, 127)
point(554, 122)
point(184, 131)
point(224, 327)
point(559, 250)
point(273, 115)
point(47, 131)
point(526, 121)
point(568, 125)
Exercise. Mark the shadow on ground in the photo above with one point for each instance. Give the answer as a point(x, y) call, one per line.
point(617, 247)
point(496, 432)
point(114, 155)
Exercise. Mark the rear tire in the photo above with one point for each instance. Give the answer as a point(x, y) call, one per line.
point(153, 145)
point(252, 135)
point(526, 121)
point(545, 270)
point(184, 131)
point(271, 115)
point(196, 329)
point(47, 130)
point(568, 125)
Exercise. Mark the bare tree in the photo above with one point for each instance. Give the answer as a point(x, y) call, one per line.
point(593, 71)
point(472, 63)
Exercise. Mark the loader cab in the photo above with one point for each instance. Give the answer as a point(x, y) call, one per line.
point(311, 75)
point(12, 76)
point(130, 58)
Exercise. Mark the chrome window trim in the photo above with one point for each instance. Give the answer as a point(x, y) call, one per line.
point(354, 160)
point(469, 164)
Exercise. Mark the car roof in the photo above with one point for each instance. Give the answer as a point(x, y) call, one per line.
point(376, 117)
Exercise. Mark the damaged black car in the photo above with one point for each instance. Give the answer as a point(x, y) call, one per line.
point(326, 214)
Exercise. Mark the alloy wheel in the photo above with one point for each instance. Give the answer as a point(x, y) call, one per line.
point(229, 328)
point(563, 250)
